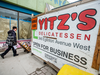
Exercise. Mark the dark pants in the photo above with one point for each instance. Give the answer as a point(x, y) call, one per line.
point(9, 48)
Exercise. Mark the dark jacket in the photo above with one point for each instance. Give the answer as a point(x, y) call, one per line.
point(14, 34)
point(11, 39)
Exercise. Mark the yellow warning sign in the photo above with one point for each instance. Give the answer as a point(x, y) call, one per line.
point(69, 70)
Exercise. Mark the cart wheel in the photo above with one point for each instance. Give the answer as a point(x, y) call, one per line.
point(32, 54)
point(44, 63)
point(24, 50)
point(27, 51)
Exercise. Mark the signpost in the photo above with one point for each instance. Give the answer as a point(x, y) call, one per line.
point(68, 36)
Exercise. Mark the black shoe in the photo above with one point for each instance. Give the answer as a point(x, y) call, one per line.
point(2, 56)
point(16, 55)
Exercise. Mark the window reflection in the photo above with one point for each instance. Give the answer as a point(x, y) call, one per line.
point(6, 18)
point(24, 26)
point(9, 18)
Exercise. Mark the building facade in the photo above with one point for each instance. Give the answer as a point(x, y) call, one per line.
point(18, 13)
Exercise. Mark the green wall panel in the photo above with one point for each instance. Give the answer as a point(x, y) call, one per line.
point(40, 5)
point(37, 5)
point(12, 1)
point(28, 4)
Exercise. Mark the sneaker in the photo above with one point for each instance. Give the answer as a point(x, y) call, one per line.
point(2, 56)
point(16, 55)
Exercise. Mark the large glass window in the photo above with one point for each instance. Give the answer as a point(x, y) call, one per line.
point(4, 27)
point(6, 18)
point(10, 18)
point(24, 26)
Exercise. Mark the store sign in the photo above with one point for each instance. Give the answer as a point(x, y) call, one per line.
point(68, 36)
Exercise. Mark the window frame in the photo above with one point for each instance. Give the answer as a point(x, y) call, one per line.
point(17, 22)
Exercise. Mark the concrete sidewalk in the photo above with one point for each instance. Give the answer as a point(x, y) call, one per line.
point(24, 64)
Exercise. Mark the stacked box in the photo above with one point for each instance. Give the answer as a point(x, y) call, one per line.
point(25, 46)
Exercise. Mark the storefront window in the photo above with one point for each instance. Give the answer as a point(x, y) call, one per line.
point(4, 27)
point(8, 18)
point(24, 26)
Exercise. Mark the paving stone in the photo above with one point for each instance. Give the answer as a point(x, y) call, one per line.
point(44, 70)
point(38, 69)
point(47, 67)
point(32, 73)
point(38, 72)
point(53, 73)
point(48, 73)
point(35, 74)
point(51, 70)
point(42, 74)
